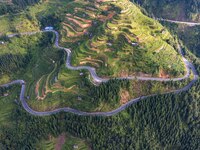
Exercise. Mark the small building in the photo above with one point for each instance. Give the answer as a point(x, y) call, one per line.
point(75, 146)
point(79, 98)
point(48, 28)
point(55, 79)
point(81, 74)
point(134, 44)
point(16, 101)
point(6, 94)
point(109, 44)
point(163, 31)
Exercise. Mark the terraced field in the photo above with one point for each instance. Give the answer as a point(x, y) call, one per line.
point(50, 85)
point(112, 36)
point(118, 40)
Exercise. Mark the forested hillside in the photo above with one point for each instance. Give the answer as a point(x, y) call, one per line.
point(161, 122)
point(173, 9)
point(190, 36)
point(182, 10)
point(14, 6)
point(99, 32)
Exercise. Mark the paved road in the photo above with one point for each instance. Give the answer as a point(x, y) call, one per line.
point(189, 67)
point(98, 79)
point(179, 22)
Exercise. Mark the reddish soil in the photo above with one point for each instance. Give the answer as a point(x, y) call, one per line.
point(37, 88)
point(84, 20)
point(99, 1)
point(78, 23)
point(127, 38)
point(77, 34)
point(59, 142)
point(125, 97)
point(162, 74)
point(123, 73)
point(104, 18)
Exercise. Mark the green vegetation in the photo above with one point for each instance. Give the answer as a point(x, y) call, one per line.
point(94, 44)
point(172, 9)
point(162, 122)
point(76, 91)
point(115, 35)
point(188, 35)
point(51, 85)
point(8, 101)
point(34, 17)
point(64, 142)
point(14, 53)
point(14, 6)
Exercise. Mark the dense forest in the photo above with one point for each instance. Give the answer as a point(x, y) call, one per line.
point(108, 92)
point(15, 6)
point(190, 36)
point(188, 10)
point(160, 122)
point(173, 9)
point(169, 121)
point(14, 59)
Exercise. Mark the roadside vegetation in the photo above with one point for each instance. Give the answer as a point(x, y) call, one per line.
point(106, 43)
point(15, 6)
point(51, 85)
point(118, 40)
point(168, 121)
point(183, 10)
point(189, 35)
point(104, 34)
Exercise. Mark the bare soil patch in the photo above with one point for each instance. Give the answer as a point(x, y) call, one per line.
point(125, 97)
point(60, 141)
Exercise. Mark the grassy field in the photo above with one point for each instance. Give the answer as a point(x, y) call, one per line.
point(64, 142)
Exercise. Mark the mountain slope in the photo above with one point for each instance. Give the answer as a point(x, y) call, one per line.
point(117, 39)
point(181, 10)
point(14, 6)
point(173, 9)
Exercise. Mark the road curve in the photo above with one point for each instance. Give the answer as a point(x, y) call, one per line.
point(98, 79)
point(189, 66)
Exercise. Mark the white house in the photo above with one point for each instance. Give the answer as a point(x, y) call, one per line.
point(134, 44)
point(48, 28)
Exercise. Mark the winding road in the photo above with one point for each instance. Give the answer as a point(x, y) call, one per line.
point(189, 67)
